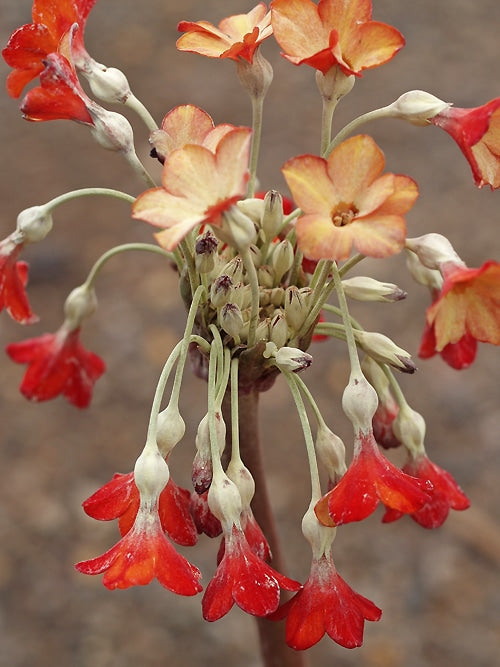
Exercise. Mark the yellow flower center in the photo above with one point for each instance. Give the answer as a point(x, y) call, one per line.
point(343, 214)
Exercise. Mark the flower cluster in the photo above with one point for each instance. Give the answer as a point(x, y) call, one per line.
point(256, 273)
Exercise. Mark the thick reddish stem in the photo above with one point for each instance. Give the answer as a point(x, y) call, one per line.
point(275, 652)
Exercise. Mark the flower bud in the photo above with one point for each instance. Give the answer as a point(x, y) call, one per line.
point(266, 276)
point(107, 83)
point(231, 319)
point(221, 290)
point(205, 250)
point(111, 130)
point(234, 269)
point(433, 250)
point(151, 473)
point(384, 350)
point(170, 429)
point(242, 295)
point(296, 309)
point(278, 331)
point(417, 107)
point(241, 476)
point(288, 359)
point(224, 501)
point(409, 428)
point(272, 218)
point(80, 304)
point(363, 288)
point(430, 278)
point(331, 452)
point(201, 474)
point(282, 259)
point(277, 296)
point(262, 330)
point(238, 230)
point(359, 402)
point(255, 77)
point(34, 223)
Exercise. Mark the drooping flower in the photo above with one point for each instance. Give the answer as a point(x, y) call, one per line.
point(29, 45)
point(204, 520)
point(469, 303)
point(346, 201)
point(57, 364)
point(199, 186)
point(59, 96)
point(254, 536)
point(445, 494)
point(458, 355)
point(13, 280)
point(333, 32)
point(236, 37)
point(370, 479)
point(477, 133)
point(187, 124)
point(243, 578)
point(119, 499)
point(143, 554)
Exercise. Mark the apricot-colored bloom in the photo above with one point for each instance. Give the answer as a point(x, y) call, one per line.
point(370, 479)
point(334, 32)
point(458, 355)
point(477, 133)
point(120, 499)
point(326, 604)
point(184, 125)
point(13, 280)
point(469, 303)
point(29, 46)
point(242, 577)
point(60, 95)
point(143, 554)
point(57, 364)
point(199, 185)
point(345, 201)
point(444, 495)
point(236, 37)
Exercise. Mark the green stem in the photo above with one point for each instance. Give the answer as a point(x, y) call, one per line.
point(149, 247)
point(353, 125)
point(349, 333)
point(160, 388)
point(88, 192)
point(257, 114)
point(139, 168)
point(347, 266)
point(253, 280)
point(138, 107)
point(329, 106)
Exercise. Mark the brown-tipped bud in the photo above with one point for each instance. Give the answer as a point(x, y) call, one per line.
point(282, 259)
point(256, 255)
point(201, 474)
point(296, 309)
point(433, 250)
point(278, 331)
point(34, 223)
point(262, 330)
point(231, 319)
point(242, 296)
point(221, 290)
point(234, 269)
point(80, 304)
point(288, 359)
point(331, 452)
point(383, 349)
point(266, 276)
point(272, 218)
point(205, 250)
point(363, 288)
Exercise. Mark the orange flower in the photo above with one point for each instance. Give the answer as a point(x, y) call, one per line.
point(236, 37)
point(334, 32)
point(346, 201)
point(198, 187)
point(469, 303)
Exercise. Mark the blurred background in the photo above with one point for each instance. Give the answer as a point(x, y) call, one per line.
point(438, 589)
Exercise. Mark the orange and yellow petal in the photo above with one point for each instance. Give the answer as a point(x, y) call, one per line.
point(318, 238)
point(310, 184)
point(298, 28)
point(373, 44)
point(354, 165)
point(378, 236)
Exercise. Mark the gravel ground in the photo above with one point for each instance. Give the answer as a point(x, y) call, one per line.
point(439, 589)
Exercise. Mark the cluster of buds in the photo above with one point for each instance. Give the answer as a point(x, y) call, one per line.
point(256, 273)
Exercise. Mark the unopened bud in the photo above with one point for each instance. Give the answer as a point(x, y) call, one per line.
point(80, 304)
point(409, 428)
point(221, 290)
point(241, 476)
point(383, 349)
point(272, 218)
point(433, 250)
point(231, 319)
point(266, 276)
point(34, 223)
point(296, 309)
point(288, 359)
point(255, 77)
point(363, 288)
point(234, 269)
point(417, 107)
point(205, 250)
point(108, 83)
point(278, 332)
point(170, 429)
point(331, 452)
point(282, 259)
point(237, 230)
point(262, 330)
point(201, 474)
point(359, 402)
point(111, 130)
point(242, 295)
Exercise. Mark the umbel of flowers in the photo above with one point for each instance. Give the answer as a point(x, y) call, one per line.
point(258, 273)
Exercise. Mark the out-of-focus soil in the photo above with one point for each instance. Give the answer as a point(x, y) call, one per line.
point(438, 589)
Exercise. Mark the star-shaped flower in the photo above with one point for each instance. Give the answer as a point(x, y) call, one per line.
point(29, 46)
point(346, 201)
point(119, 499)
point(469, 303)
point(236, 37)
point(13, 280)
point(477, 133)
point(242, 577)
point(333, 32)
point(370, 479)
point(143, 554)
point(57, 364)
point(445, 494)
point(199, 185)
